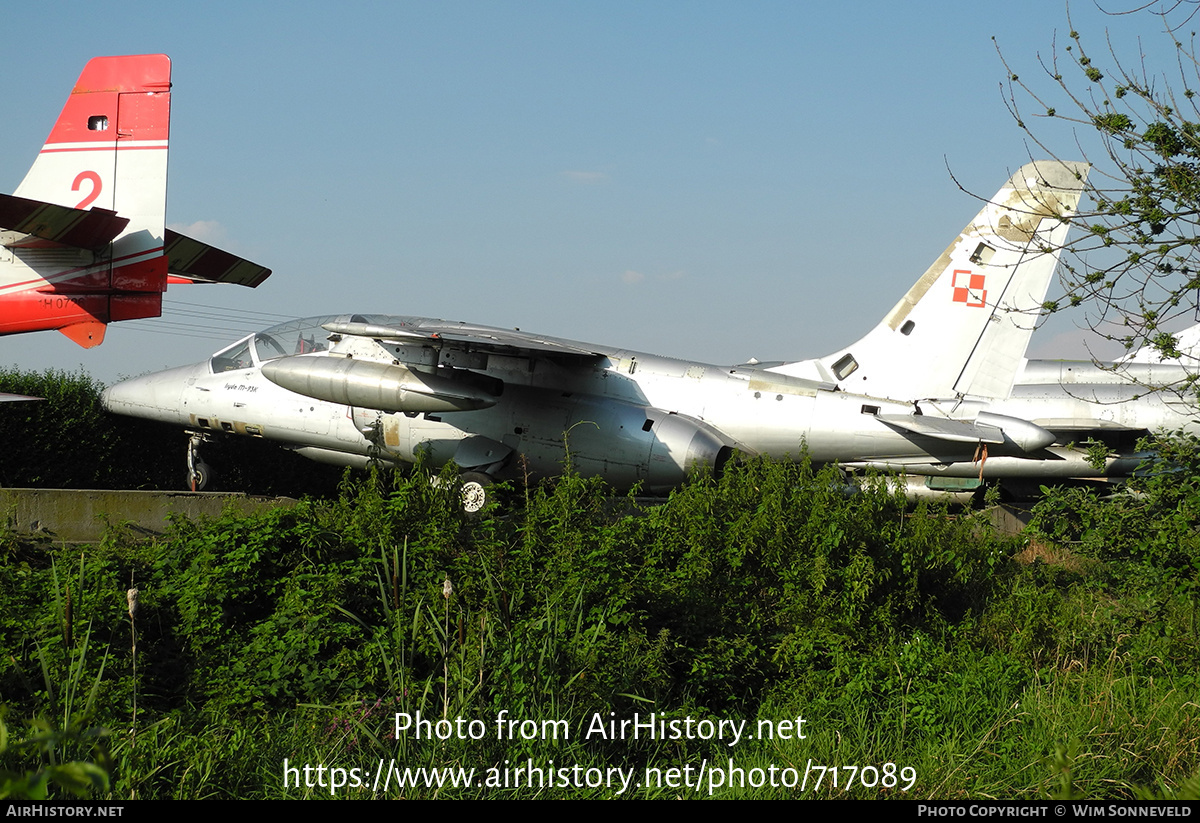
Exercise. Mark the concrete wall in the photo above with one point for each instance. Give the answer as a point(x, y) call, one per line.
point(80, 515)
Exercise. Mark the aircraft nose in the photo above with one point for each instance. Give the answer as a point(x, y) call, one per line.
point(155, 396)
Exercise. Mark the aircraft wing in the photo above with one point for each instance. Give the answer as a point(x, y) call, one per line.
point(464, 337)
point(35, 222)
point(199, 262)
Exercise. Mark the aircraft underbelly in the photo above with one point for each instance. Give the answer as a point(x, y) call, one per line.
point(536, 431)
point(546, 428)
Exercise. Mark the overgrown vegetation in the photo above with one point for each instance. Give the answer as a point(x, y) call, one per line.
point(988, 666)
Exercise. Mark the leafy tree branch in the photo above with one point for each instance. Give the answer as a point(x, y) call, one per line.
point(1134, 262)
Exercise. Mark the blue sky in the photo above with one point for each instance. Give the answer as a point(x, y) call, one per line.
point(714, 181)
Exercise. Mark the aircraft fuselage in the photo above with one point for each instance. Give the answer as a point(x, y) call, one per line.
point(629, 417)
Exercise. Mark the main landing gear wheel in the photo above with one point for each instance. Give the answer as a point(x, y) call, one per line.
point(476, 491)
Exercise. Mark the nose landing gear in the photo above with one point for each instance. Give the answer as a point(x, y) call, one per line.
point(199, 473)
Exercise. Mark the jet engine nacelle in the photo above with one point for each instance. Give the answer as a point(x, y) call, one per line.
point(373, 385)
point(625, 443)
point(680, 444)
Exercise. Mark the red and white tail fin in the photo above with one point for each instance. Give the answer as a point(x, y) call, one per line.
point(107, 152)
point(963, 328)
point(108, 149)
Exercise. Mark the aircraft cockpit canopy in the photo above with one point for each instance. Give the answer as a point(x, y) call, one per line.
point(293, 337)
point(302, 336)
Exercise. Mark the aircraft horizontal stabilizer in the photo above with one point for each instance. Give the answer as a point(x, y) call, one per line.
point(955, 431)
point(199, 262)
point(988, 428)
point(34, 222)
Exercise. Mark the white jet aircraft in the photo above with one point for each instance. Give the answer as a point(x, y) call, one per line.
point(83, 240)
point(930, 391)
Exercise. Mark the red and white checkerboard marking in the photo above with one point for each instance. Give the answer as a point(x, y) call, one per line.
point(968, 288)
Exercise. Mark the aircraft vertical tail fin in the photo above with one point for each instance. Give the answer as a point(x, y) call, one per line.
point(963, 328)
point(108, 148)
point(1187, 343)
point(106, 153)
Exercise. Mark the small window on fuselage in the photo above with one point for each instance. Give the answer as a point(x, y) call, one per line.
point(845, 366)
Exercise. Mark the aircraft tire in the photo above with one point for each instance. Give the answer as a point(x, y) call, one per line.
point(202, 478)
point(476, 492)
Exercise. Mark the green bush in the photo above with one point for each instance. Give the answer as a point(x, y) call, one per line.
point(902, 634)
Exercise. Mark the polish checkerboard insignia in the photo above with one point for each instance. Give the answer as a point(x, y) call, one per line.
point(968, 288)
